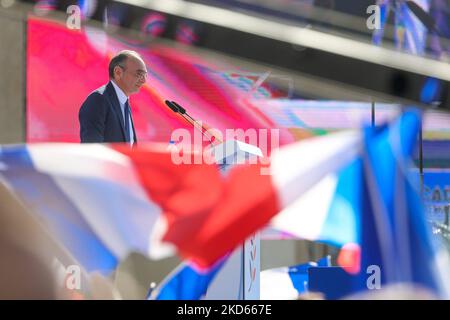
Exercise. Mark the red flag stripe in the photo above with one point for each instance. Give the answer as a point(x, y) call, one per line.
point(207, 215)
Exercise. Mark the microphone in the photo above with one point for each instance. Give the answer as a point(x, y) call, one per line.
point(180, 109)
point(204, 131)
point(175, 107)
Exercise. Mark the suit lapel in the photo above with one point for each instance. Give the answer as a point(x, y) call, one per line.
point(116, 105)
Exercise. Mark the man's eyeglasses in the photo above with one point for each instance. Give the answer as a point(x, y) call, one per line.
point(138, 74)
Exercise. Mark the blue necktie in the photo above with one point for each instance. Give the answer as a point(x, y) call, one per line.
point(127, 121)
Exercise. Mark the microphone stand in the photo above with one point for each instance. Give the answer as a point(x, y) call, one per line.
point(175, 107)
point(195, 123)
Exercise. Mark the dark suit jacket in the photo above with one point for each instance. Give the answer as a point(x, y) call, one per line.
point(101, 118)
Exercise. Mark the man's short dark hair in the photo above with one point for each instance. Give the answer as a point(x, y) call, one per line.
point(119, 60)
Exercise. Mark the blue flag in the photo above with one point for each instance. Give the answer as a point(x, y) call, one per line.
point(395, 239)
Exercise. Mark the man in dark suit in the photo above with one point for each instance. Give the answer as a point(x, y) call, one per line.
point(105, 115)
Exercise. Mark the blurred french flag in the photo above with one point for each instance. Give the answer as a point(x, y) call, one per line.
point(348, 189)
point(371, 208)
point(104, 201)
point(394, 234)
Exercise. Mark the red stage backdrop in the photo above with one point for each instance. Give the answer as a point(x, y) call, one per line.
point(64, 66)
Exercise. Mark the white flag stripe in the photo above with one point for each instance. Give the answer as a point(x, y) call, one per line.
point(297, 167)
point(92, 176)
point(123, 223)
point(306, 216)
point(88, 160)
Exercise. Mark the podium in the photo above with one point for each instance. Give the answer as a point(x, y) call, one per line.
point(239, 277)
